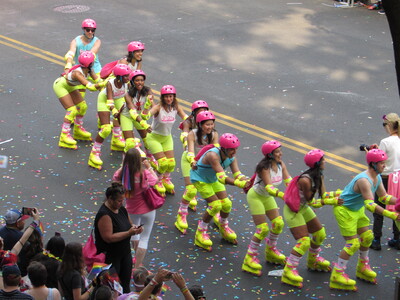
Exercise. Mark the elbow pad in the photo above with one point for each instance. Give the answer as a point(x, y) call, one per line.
point(91, 87)
point(385, 199)
point(390, 214)
point(133, 114)
point(221, 176)
point(70, 55)
point(317, 203)
point(239, 175)
point(287, 181)
point(370, 205)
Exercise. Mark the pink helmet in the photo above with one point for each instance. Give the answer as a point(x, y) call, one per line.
point(313, 157)
point(204, 116)
point(135, 46)
point(376, 155)
point(89, 23)
point(137, 73)
point(86, 58)
point(121, 70)
point(269, 146)
point(168, 89)
point(229, 141)
point(199, 104)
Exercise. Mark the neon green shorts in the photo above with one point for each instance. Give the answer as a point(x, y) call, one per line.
point(102, 102)
point(207, 190)
point(62, 88)
point(185, 165)
point(126, 121)
point(349, 221)
point(159, 143)
point(260, 204)
point(292, 219)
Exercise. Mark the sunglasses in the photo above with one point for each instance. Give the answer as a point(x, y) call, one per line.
point(90, 29)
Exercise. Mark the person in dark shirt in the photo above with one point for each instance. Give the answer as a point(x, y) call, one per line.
point(11, 280)
point(12, 231)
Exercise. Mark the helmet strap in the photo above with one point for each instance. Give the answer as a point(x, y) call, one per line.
point(373, 165)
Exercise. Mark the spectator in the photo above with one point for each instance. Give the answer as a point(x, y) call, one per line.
point(37, 274)
point(33, 246)
point(104, 293)
point(11, 280)
point(138, 279)
point(197, 292)
point(155, 282)
point(113, 230)
point(51, 258)
point(136, 175)
point(70, 274)
point(12, 231)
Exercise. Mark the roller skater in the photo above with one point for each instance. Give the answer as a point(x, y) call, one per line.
point(270, 172)
point(353, 223)
point(67, 88)
point(199, 137)
point(159, 141)
point(134, 57)
point(209, 178)
point(186, 126)
point(302, 221)
point(110, 98)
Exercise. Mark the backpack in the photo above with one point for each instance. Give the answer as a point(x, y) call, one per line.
point(292, 195)
point(203, 150)
point(107, 69)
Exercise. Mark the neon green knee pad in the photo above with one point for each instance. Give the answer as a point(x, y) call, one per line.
point(366, 238)
point(71, 113)
point(105, 130)
point(162, 165)
point(319, 236)
point(129, 144)
point(82, 108)
point(190, 192)
point(171, 165)
point(226, 205)
point(214, 207)
point(277, 225)
point(261, 231)
point(302, 245)
point(352, 246)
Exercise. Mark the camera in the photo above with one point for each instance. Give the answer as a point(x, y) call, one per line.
point(364, 147)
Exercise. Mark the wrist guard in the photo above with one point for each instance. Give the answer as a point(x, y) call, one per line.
point(239, 175)
point(385, 199)
point(68, 66)
point(114, 111)
point(145, 116)
point(317, 203)
point(287, 181)
point(332, 194)
point(110, 103)
point(190, 157)
point(144, 124)
point(272, 190)
point(134, 114)
point(331, 201)
point(390, 214)
point(91, 87)
point(70, 55)
point(239, 183)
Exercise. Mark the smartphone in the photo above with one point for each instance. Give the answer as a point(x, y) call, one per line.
point(27, 211)
point(169, 275)
point(141, 225)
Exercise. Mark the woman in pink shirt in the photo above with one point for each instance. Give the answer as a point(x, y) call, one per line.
point(136, 175)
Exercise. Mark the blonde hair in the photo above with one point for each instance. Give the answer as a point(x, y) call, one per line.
point(393, 119)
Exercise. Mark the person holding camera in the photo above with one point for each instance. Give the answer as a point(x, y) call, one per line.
point(391, 145)
point(12, 231)
point(155, 282)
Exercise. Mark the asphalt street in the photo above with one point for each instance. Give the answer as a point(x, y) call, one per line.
point(306, 73)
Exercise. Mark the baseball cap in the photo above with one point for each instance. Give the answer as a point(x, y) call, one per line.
point(11, 270)
point(14, 215)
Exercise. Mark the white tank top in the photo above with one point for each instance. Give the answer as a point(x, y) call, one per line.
point(133, 67)
point(72, 81)
point(116, 92)
point(162, 124)
point(276, 179)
